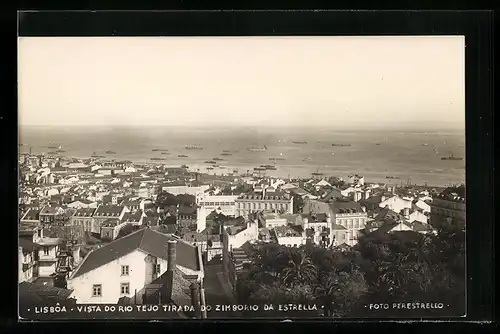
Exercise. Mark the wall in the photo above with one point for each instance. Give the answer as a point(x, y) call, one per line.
point(109, 276)
point(401, 227)
point(211, 203)
point(185, 190)
point(291, 241)
point(272, 223)
point(354, 223)
point(418, 216)
point(250, 233)
point(246, 206)
point(396, 204)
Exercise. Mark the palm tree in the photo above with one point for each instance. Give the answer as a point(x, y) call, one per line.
point(299, 269)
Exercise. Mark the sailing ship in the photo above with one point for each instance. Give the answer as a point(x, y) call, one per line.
point(317, 173)
point(182, 156)
point(300, 142)
point(452, 157)
point(258, 149)
point(193, 147)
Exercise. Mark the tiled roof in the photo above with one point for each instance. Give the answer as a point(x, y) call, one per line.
point(186, 210)
point(132, 217)
point(147, 240)
point(49, 210)
point(338, 227)
point(27, 245)
point(41, 292)
point(341, 206)
point(270, 195)
point(84, 212)
point(376, 199)
point(108, 210)
point(31, 214)
point(387, 214)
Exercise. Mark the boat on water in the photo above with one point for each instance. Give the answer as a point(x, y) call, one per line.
point(215, 166)
point(341, 145)
point(425, 144)
point(392, 177)
point(182, 156)
point(276, 159)
point(258, 149)
point(378, 144)
point(268, 167)
point(226, 154)
point(259, 169)
point(110, 152)
point(317, 174)
point(157, 159)
point(52, 153)
point(60, 151)
point(165, 153)
point(210, 168)
point(185, 166)
point(53, 147)
point(210, 162)
point(193, 147)
point(452, 157)
point(218, 159)
point(300, 142)
point(307, 159)
point(159, 150)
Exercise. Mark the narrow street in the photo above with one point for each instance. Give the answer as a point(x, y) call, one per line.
point(218, 291)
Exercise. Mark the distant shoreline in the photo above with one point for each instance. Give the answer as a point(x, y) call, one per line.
point(361, 127)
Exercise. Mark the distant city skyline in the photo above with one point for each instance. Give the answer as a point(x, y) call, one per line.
point(366, 82)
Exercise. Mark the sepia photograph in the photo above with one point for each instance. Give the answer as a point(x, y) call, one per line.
point(241, 177)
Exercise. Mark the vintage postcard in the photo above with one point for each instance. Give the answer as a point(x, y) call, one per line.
point(241, 177)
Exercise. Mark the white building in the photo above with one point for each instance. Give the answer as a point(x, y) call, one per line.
point(269, 201)
point(396, 203)
point(124, 267)
point(221, 204)
point(181, 190)
point(47, 253)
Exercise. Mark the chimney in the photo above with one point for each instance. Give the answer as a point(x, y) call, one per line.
point(171, 254)
point(406, 213)
point(195, 299)
point(171, 258)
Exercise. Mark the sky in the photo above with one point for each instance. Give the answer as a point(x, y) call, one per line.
point(242, 81)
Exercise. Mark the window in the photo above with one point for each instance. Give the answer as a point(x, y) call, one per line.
point(124, 288)
point(97, 290)
point(125, 271)
point(45, 250)
point(157, 268)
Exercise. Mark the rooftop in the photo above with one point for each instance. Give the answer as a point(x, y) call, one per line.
point(270, 195)
point(84, 212)
point(108, 210)
point(146, 240)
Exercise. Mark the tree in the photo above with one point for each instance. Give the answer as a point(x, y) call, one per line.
point(298, 204)
point(299, 269)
